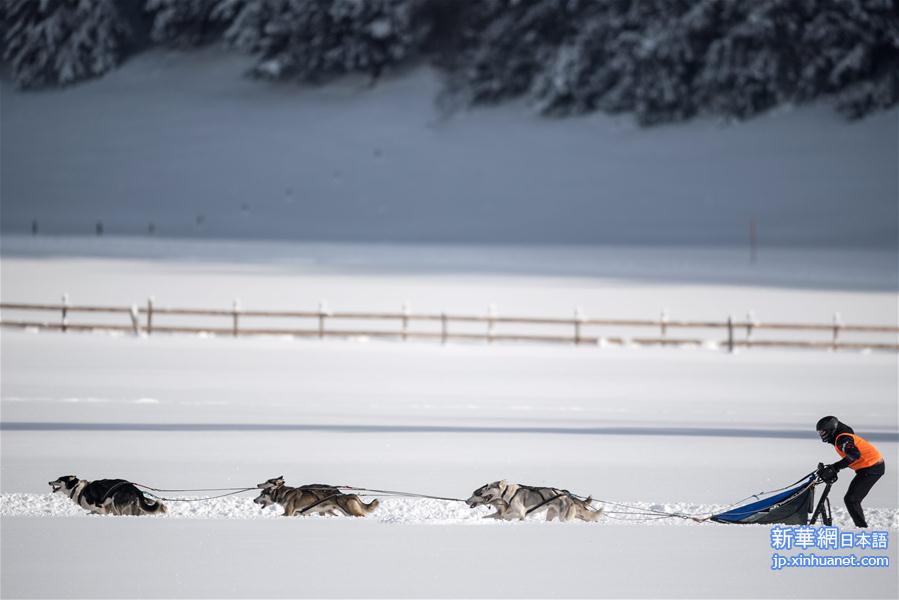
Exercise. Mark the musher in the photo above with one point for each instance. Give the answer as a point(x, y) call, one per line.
point(858, 454)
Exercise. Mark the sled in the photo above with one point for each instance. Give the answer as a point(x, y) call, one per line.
point(790, 507)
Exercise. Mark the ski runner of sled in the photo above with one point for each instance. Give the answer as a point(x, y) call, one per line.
point(858, 454)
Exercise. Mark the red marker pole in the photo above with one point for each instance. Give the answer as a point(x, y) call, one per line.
point(753, 240)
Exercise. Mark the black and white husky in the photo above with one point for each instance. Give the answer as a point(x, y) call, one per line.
point(107, 496)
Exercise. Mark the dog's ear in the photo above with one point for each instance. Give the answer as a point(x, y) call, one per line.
point(503, 483)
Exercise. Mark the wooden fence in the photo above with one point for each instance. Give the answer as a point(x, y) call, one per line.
point(578, 329)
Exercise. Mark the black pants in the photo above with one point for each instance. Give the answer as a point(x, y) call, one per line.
point(861, 484)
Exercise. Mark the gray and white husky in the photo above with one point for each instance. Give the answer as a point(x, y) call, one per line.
point(311, 499)
point(516, 501)
point(107, 496)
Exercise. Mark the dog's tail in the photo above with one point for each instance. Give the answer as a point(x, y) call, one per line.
point(371, 505)
point(151, 506)
point(595, 513)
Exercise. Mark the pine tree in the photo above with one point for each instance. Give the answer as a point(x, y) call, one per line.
point(851, 49)
point(50, 42)
point(313, 40)
point(668, 60)
point(501, 46)
point(662, 60)
point(638, 56)
point(186, 23)
point(756, 63)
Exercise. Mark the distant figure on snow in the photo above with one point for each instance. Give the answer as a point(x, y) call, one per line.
point(858, 454)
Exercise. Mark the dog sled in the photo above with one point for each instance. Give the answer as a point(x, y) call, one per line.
point(791, 506)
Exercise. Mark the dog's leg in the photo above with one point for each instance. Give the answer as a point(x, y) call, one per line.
point(291, 509)
point(500, 511)
point(352, 508)
point(110, 508)
point(516, 511)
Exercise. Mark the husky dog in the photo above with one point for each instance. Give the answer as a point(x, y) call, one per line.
point(312, 499)
point(514, 501)
point(107, 496)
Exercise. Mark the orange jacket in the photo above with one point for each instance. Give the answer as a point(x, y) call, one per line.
point(869, 454)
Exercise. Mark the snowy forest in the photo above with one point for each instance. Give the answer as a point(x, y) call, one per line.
point(661, 60)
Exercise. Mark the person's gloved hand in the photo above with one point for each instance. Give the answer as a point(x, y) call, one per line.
point(827, 473)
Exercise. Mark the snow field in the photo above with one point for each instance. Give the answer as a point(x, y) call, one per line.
point(136, 557)
point(684, 430)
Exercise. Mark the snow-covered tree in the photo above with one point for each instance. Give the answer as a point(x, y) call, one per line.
point(752, 64)
point(637, 56)
point(572, 56)
point(186, 22)
point(668, 60)
point(49, 42)
point(662, 60)
point(500, 46)
point(313, 40)
point(851, 48)
point(797, 51)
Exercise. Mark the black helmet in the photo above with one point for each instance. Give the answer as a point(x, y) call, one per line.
point(827, 428)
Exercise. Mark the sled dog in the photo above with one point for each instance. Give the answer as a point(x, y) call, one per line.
point(107, 496)
point(515, 501)
point(312, 499)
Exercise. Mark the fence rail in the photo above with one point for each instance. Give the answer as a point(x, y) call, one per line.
point(738, 334)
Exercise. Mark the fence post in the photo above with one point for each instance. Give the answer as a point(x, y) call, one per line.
point(491, 323)
point(322, 307)
point(750, 323)
point(730, 334)
point(405, 320)
point(135, 322)
point(65, 310)
point(837, 323)
point(443, 328)
point(663, 319)
point(578, 317)
point(234, 312)
point(149, 315)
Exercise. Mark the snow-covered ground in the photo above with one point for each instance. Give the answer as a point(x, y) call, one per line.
point(785, 284)
point(183, 141)
point(686, 430)
point(132, 557)
point(683, 429)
